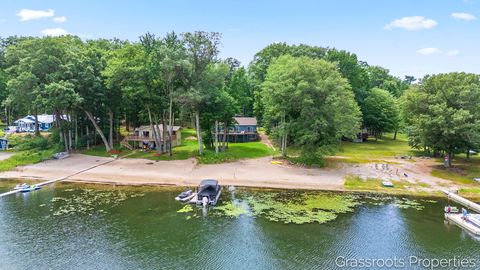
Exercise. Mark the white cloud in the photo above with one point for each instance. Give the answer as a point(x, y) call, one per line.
point(54, 32)
point(453, 53)
point(60, 19)
point(412, 23)
point(30, 14)
point(464, 16)
point(428, 51)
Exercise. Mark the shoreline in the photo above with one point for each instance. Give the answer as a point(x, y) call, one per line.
point(258, 172)
point(251, 173)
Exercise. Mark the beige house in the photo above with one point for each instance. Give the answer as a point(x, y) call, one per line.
point(143, 137)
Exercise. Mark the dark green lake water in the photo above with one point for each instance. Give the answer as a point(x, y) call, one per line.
point(70, 226)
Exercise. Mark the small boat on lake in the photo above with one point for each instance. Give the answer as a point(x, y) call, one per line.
point(208, 192)
point(27, 188)
point(22, 186)
point(185, 196)
point(451, 209)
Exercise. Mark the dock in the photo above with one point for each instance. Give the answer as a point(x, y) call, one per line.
point(469, 225)
point(57, 179)
point(458, 199)
point(472, 222)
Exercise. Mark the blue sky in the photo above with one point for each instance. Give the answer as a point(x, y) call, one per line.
point(409, 37)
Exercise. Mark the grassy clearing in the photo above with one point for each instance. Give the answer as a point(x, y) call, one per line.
point(99, 151)
point(235, 152)
point(462, 172)
point(189, 149)
point(29, 149)
point(470, 192)
point(375, 150)
point(25, 158)
point(366, 152)
point(355, 183)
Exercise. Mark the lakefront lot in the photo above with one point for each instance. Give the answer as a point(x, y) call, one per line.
point(357, 167)
point(239, 135)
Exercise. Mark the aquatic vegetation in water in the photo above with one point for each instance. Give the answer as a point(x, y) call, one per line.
point(291, 207)
point(405, 203)
point(429, 201)
point(88, 201)
point(186, 209)
point(402, 203)
point(296, 208)
point(232, 209)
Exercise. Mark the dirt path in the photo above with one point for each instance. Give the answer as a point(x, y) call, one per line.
point(266, 140)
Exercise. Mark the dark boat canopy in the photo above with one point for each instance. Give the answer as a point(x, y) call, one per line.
point(208, 182)
point(208, 188)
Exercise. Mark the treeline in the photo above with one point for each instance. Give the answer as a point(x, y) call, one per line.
point(93, 86)
point(306, 96)
point(312, 97)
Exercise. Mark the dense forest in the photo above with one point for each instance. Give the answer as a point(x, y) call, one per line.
point(304, 96)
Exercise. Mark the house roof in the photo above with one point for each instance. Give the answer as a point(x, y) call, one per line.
point(25, 120)
point(246, 121)
point(42, 118)
point(46, 118)
point(148, 128)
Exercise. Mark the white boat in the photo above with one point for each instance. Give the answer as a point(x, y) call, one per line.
point(451, 209)
point(29, 188)
point(22, 186)
point(185, 196)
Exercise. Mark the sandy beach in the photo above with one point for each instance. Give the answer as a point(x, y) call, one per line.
point(258, 172)
point(253, 173)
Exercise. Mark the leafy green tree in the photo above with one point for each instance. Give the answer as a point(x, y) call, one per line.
point(257, 69)
point(308, 102)
point(442, 114)
point(202, 50)
point(60, 97)
point(380, 112)
point(353, 71)
point(33, 64)
point(219, 106)
point(85, 74)
point(240, 87)
point(174, 69)
point(381, 78)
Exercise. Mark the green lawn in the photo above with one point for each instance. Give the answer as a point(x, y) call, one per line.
point(375, 150)
point(189, 149)
point(237, 151)
point(462, 171)
point(25, 157)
